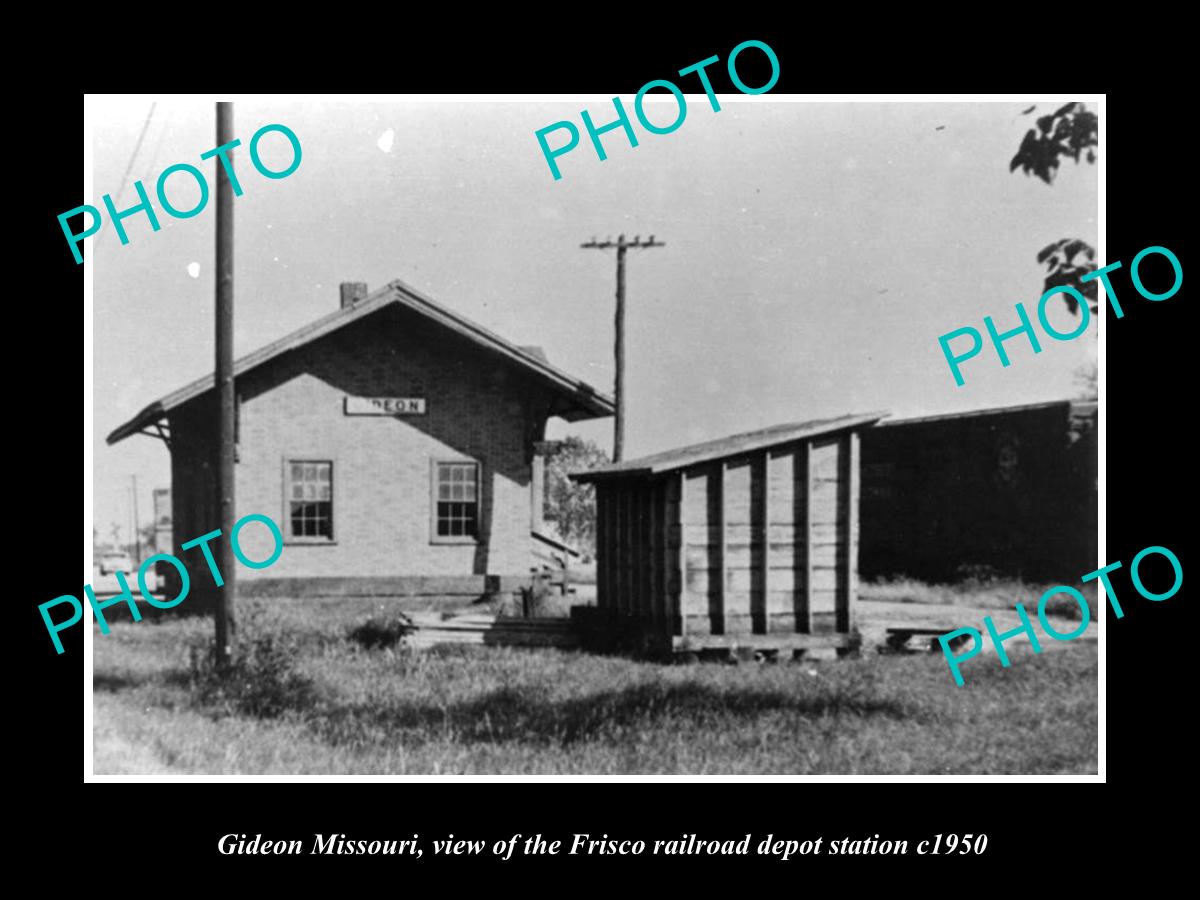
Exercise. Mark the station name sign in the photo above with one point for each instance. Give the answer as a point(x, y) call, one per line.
point(385, 406)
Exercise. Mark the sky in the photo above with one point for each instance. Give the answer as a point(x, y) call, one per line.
point(815, 252)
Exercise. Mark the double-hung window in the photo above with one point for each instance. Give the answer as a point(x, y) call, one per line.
point(309, 493)
point(456, 501)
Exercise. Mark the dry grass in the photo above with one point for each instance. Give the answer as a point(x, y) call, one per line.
point(508, 711)
point(980, 593)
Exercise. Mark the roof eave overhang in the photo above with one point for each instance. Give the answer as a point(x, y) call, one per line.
point(592, 477)
point(575, 400)
point(853, 423)
point(148, 416)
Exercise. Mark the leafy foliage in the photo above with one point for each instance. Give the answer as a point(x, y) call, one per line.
point(1087, 379)
point(1067, 261)
point(1071, 131)
point(382, 631)
point(572, 506)
point(261, 679)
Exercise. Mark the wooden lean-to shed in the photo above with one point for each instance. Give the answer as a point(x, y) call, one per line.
point(749, 542)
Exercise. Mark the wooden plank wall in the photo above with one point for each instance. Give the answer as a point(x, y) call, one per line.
point(826, 530)
point(603, 549)
point(634, 539)
point(744, 495)
point(787, 533)
point(674, 549)
point(756, 544)
point(660, 598)
point(766, 541)
point(702, 539)
point(848, 582)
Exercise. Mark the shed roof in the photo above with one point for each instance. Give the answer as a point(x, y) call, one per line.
point(582, 400)
point(1077, 407)
point(734, 445)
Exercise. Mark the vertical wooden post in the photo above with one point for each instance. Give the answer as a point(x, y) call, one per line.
point(617, 543)
point(717, 625)
point(764, 531)
point(614, 565)
point(623, 504)
point(639, 545)
point(601, 545)
point(681, 554)
point(610, 544)
point(804, 616)
point(650, 554)
point(537, 488)
point(663, 605)
point(226, 409)
point(848, 596)
point(643, 541)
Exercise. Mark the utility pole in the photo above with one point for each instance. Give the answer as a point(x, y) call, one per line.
point(226, 596)
point(619, 392)
point(137, 535)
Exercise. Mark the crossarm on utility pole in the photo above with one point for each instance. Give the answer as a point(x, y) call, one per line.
point(619, 344)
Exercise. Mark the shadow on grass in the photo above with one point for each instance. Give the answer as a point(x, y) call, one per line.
point(508, 715)
point(113, 683)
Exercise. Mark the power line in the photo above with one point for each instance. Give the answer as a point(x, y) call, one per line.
point(136, 148)
point(129, 168)
point(162, 132)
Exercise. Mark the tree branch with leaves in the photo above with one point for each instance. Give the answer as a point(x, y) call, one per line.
point(1070, 132)
point(569, 505)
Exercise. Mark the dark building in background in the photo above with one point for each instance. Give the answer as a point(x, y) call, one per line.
point(1009, 491)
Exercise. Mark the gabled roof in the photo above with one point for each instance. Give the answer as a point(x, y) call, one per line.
point(583, 401)
point(721, 448)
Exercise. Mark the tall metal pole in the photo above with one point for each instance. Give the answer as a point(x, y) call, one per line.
point(619, 388)
point(226, 596)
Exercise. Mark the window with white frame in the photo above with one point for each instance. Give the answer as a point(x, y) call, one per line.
point(456, 500)
point(309, 493)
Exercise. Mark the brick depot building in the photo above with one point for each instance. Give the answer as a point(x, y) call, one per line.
point(396, 444)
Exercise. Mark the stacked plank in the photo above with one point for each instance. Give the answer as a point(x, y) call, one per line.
point(431, 630)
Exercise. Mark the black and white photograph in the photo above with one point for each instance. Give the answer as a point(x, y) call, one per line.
point(532, 436)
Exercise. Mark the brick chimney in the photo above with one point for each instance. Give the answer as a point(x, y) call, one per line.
point(352, 292)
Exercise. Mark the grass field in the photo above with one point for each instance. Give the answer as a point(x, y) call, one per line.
point(988, 593)
point(342, 709)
